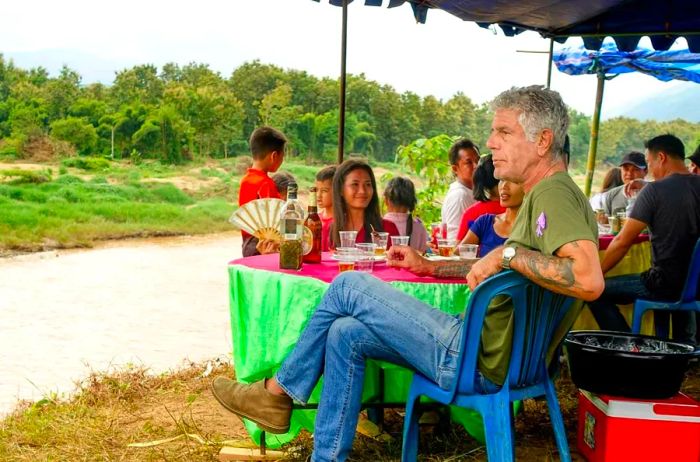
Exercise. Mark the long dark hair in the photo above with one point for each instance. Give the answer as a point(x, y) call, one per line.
point(612, 179)
point(373, 217)
point(484, 181)
point(401, 191)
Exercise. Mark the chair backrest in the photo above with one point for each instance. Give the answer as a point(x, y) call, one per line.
point(537, 315)
point(690, 291)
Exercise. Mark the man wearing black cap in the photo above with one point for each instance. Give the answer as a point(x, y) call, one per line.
point(634, 167)
point(694, 166)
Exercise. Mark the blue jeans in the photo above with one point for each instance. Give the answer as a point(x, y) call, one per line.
point(619, 290)
point(623, 290)
point(362, 318)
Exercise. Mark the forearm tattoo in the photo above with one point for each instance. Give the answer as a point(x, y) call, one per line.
point(453, 269)
point(548, 271)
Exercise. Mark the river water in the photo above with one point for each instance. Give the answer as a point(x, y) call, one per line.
point(152, 302)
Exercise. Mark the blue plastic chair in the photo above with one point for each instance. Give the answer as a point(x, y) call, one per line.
point(538, 313)
point(690, 299)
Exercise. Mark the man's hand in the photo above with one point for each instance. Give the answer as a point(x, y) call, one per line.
point(633, 187)
point(403, 256)
point(485, 267)
point(266, 246)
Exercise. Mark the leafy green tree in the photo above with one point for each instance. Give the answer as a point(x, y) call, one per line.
point(62, 92)
point(427, 158)
point(166, 133)
point(250, 83)
point(77, 131)
point(138, 84)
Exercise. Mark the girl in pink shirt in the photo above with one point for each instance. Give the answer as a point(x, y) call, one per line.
point(400, 200)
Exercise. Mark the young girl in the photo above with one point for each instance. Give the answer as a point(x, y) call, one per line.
point(356, 204)
point(491, 230)
point(400, 200)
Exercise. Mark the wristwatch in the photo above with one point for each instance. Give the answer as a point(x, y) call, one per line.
point(508, 254)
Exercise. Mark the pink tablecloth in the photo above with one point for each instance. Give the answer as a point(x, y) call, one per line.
point(605, 240)
point(328, 269)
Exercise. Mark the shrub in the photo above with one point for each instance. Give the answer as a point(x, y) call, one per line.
point(243, 163)
point(87, 163)
point(76, 131)
point(26, 176)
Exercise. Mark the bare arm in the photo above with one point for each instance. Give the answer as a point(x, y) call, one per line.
point(407, 258)
point(470, 238)
point(574, 269)
point(621, 244)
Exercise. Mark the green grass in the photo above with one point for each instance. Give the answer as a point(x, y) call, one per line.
point(72, 212)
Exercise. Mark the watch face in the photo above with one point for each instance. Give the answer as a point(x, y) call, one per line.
point(509, 252)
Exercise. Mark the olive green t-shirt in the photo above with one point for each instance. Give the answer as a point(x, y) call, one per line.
point(553, 213)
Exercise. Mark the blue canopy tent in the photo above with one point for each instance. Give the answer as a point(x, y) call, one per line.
point(663, 65)
point(593, 20)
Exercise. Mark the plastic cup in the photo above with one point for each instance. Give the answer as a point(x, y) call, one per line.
point(400, 240)
point(347, 238)
point(364, 263)
point(604, 229)
point(380, 239)
point(446, 247)
point(468, 251)
point(366, 248)
point(347, 256)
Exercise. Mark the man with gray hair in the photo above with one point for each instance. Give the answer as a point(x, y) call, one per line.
point(553, 243)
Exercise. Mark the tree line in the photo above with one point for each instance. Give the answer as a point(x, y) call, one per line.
point(179, 113)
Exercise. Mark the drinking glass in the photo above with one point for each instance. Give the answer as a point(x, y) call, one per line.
point(467, 251)
point(446, 247)
point(400, 240)
point(347, 238)
point(380, 239)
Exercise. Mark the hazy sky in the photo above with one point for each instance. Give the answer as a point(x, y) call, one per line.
point(441, 57)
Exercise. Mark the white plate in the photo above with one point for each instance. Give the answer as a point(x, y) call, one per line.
point(376, 257)
point(452, 258)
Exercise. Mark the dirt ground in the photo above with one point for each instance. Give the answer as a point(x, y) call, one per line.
point(135, 416)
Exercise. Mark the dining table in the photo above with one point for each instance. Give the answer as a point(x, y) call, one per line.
point(270, 307)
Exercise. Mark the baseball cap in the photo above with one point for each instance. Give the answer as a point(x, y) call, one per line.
point(634, 158)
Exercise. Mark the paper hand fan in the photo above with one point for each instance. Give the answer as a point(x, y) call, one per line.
point(260, 217)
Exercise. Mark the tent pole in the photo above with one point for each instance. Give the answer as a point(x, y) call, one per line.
point(595, 126)
point(343, 79)
point(549, 66)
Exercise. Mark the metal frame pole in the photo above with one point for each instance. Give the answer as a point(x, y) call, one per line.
point(595, 126)
point(343, 80)
point(549, 66)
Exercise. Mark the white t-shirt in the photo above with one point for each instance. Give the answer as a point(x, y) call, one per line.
point(457, 200)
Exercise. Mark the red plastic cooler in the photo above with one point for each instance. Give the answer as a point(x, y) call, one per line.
point(612, 429)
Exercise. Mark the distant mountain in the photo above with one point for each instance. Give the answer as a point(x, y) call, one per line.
point(673, 103)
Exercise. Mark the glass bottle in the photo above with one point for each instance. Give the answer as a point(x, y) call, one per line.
point(312, 230)
point(291, 229)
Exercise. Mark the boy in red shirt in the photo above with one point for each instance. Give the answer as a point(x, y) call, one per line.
point(267, 148)
point(324, 186)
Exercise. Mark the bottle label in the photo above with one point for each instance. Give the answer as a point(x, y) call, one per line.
point(290, 228)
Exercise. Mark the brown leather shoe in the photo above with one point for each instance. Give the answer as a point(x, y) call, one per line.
point(269, 411)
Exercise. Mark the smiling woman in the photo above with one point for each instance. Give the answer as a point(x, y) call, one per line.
point(356, 204)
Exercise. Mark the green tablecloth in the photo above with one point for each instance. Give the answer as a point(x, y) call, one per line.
point(270, 309)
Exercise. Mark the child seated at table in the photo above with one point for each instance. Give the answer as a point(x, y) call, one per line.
point(324, 191)
point(491, 230)
point(356, 204)
point(400, 199)
point(282, 181)
point(267, 148)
